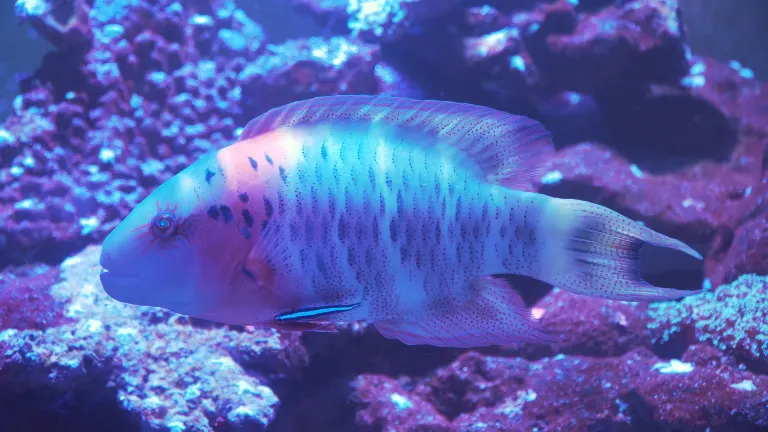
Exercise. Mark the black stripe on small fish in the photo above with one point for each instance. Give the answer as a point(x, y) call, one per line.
point(309, 313)
point(209, 175)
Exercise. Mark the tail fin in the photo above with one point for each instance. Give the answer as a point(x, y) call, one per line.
point(595, 251)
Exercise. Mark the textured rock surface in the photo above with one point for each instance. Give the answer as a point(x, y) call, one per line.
point(131, 101)
point(160, 371)
point(732, 318)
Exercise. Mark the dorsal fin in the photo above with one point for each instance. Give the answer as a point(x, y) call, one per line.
point(505, 147)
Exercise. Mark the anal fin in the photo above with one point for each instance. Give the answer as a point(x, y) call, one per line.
point(493, 314)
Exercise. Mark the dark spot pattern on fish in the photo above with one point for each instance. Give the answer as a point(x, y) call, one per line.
point(410, 230)
point(268, 209)
point(268, 159)
point(254, 164)
point(343, 154)
point(283, 174)
point(393, 230)
point(309, 229)
point(342, 228)
point(332, 204)
point(209, 175)
point(324, 152)
point(301, 175)
point(213, 213)
point(320, 262)
point(280, 203)
point(360, 231)
point(382, 205)
point(368, 258)
point(244, 231)
point(247, 218)
point(264, 225)
point(248, 273)
point(375, 230)
point(243, 197)
point(326, 228)
point(226, 213)
point(295, 230)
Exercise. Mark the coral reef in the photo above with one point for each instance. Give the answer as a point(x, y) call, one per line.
point(161, 370)
point(631, 392)
point(731, 318)
point(136, 90)
point(104, 121)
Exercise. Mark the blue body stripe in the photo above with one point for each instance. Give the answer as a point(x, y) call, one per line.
point(310, 313)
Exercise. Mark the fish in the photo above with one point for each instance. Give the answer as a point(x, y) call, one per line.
point(413, 215)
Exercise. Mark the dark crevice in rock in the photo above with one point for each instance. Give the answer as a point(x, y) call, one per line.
point(93, 406)
point(667, 133)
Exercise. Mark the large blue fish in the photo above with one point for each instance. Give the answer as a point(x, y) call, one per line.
point(405, 213)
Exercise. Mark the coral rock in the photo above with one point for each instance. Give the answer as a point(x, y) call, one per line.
point(732, 318)
point(166, 374)
point(305, 68)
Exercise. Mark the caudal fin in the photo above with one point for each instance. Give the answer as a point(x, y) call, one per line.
point(595, 251)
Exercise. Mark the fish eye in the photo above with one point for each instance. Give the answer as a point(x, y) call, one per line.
point(164, 224)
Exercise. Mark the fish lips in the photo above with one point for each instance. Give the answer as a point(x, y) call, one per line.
point(124, 288)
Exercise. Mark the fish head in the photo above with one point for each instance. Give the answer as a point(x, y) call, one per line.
point(168, 250)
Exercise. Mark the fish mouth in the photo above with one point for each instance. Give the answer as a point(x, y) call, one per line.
point(111, 277)
point(122, 287)
point(138, 291)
